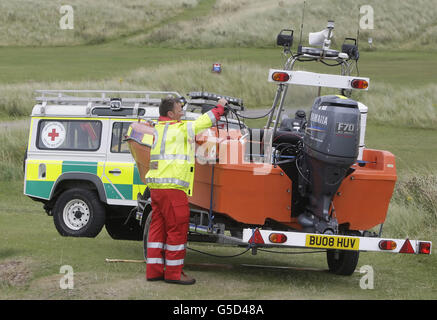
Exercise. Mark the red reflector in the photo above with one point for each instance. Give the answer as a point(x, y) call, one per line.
point(256, 237)
point(407, 248)
point(359, 84)
point(387, 245)
point(280, 76)
point(277, 237)
point(425, 247)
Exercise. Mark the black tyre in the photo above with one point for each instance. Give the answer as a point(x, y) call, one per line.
point(79, 213)
point(342, 262)
point(146, 234)
point(237, 233)
point(118, 230)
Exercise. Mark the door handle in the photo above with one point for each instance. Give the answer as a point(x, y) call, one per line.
point(115, 171)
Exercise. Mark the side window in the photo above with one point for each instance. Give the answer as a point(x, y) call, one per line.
point(119, 130)
point(79, 135)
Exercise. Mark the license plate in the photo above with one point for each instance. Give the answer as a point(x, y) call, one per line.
point(332, 242)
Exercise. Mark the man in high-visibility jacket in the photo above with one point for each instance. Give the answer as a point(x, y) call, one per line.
point(170, 179)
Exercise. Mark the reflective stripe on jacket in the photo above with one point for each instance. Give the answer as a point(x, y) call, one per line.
point(172, 158)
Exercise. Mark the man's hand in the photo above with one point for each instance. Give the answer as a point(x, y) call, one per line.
point(223, 102)
point(220, 108)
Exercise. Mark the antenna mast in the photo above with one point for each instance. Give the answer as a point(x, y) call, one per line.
point(301, 25)
point(358, 26)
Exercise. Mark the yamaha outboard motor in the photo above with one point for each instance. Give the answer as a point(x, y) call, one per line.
point(331, 145)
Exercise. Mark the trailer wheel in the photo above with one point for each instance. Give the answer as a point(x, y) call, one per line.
point(146, 234)
point(119, 231)
point(237, 233)
point(342, 262)
point(79, 213)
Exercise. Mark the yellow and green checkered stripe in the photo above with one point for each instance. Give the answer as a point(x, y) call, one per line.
point(126, 185)
point(41, 176)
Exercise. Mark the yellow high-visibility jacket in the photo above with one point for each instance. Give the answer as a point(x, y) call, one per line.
point(172, 158)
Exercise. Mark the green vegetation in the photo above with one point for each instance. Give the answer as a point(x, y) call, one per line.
point(395, 102)
point(255, 23)
point(37, 23)
point(414, 206)
point(398, 24)
point(415, 108)
point(13, 144)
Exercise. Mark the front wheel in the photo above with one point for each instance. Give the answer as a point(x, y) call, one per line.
point(79, 213)
point(342, 262)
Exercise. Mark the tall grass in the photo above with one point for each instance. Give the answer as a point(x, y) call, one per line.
point(13, 143)
point(398, 24)
point(413, 209)
point(36, 23)
point(388, 104)
point(418, 190)
point(402, 106)
point(18, 99)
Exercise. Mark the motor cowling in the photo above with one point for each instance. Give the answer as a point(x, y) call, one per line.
point(333, 129)
point(331, 145)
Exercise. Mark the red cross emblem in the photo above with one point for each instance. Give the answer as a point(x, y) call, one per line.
point(53, 134)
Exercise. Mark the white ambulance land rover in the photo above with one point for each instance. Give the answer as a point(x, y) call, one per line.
point(78, 164)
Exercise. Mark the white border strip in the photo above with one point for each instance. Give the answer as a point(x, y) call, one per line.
point(306, 78)
point(298, 239)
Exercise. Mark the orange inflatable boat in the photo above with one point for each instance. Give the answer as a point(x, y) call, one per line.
point(255, 193)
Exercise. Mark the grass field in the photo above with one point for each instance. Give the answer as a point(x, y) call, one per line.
point(30, 269)
point(107, 61)
point(106, 51)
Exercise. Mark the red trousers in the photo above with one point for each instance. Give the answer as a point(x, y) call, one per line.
point(167, 234)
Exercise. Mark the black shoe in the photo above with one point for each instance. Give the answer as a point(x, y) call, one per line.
point(156, 279)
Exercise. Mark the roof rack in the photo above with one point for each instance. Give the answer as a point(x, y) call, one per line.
point(79, 97)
